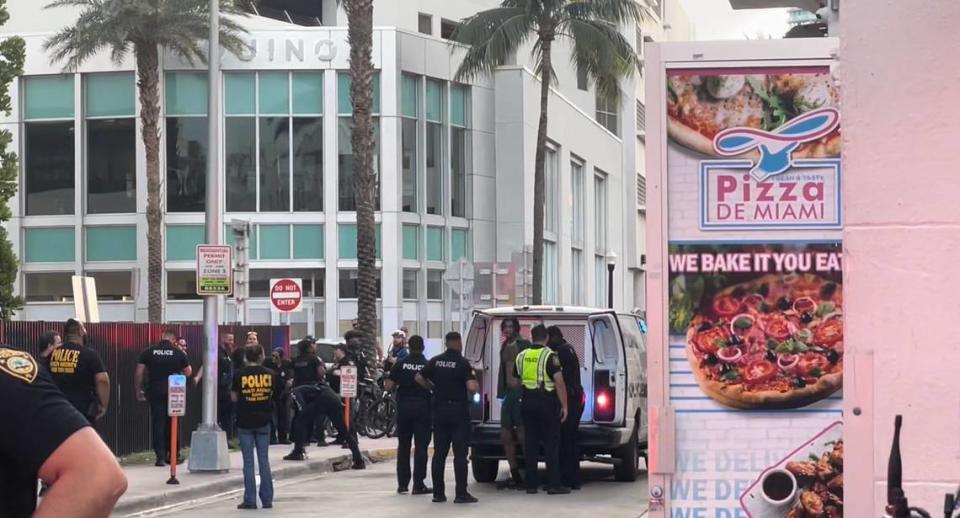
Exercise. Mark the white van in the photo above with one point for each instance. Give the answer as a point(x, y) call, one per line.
point(612, 351)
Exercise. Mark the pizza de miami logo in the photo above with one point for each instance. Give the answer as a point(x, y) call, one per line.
point(784, 178)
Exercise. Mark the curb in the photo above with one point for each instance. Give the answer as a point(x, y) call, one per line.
point(233, 480)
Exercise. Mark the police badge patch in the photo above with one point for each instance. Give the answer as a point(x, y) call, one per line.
point(18, 364)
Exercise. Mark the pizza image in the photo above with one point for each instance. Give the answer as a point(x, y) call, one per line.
point(701, 106)
point(819, 484)
point(773, 342)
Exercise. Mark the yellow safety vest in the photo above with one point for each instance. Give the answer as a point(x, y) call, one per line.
point(532, 364)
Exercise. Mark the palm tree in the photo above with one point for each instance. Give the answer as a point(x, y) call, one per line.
point(360, 37)
point(144, 27)
point(598, 49)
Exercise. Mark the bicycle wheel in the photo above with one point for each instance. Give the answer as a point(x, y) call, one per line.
point(382, 418)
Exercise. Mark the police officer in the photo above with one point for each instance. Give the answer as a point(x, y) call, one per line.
point(281, 411)
point(79, 372)
point(413, 417)
point(64, 451)
point(451, 377)
point(569, 441)
point(159, 362)
point(542, 379)
point(312, 402)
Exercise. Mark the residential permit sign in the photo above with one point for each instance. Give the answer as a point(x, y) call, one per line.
point(214, 270)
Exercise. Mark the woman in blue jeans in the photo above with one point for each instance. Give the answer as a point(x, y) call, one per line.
point(254, 388)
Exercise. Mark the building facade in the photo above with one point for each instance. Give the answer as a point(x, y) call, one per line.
point(455, 164)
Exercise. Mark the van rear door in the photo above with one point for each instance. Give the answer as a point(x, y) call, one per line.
point(474, 350)
point(607, 401)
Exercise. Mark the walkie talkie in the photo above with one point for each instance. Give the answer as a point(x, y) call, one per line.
point(897, 506)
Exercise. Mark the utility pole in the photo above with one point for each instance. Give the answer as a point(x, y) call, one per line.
point(208, 444)
point(241, 270)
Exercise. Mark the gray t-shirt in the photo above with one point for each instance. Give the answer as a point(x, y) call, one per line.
point(508, 361)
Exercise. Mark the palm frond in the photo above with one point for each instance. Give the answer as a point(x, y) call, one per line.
point(601, 51)
point(492, 36)
point(617, 12)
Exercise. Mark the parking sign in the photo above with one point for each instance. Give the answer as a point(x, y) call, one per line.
point(176, 395)
point(348, 381)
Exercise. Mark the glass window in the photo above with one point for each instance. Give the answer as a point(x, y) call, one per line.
point(552, 195)
point(605, 344)
point(274, 164)
point(347, 239)
point(345, 172)
point(239, 165)
point(274, 93)
point(458, 245)
point(111, 166)
point(48, 164)
point(459, 105)
point(307, 93)
point(458, 171)
point(576, 212)
point(49, 245)
point(411, 281)
point(240, 92)
point(308, 241)
point(312, 280)
point(411, 242)
point(435, 243)
point(410, 163)
point(425, 23)
point(600, 281)
point(410, 96)
point(434, 168)
point(111, 243)
point(434, 284)
point(308, 164)
point(110, 95)
point(187, 139)
point(182, 241)
point(182, 285)
point(274, 241)
point(600, 214)
point(48, 97)
point(608, 114)
point(349, 284)
point(434, 104)
point(113, 285)
point(448, 28)
point(186, 93)
point(550, 295)
point(344, 106)
point(582, 83)
point(48, 287)
point(576, 271)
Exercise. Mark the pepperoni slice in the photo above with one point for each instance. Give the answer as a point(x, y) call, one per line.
point(829, 333)
point(778, 327)
point(726, 306)
point(813, 361)
point(711, 340)
point(759, 372)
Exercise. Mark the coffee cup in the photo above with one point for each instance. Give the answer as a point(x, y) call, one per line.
point(779, 488)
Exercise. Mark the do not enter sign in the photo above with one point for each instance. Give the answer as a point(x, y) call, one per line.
point(286, 295)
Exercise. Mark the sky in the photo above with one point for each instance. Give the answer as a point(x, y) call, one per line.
point(716, 20)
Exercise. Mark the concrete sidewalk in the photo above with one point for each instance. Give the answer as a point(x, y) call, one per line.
point(147, 484)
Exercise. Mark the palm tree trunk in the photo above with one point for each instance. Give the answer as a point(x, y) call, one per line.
point(360, 36)
point(148, 83)
point(539, 196)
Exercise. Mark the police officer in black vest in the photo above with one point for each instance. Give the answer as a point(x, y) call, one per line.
point(158, 363)
point(413, 417)
point(451, 377)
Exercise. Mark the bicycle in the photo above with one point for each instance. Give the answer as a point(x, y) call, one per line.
point(897, 504)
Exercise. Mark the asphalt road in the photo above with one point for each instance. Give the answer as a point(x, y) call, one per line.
point(372, 494)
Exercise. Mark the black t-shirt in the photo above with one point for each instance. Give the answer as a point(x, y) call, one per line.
point(305, 370)
point(37, 420)
point(283, 371)
point(255, 386)
point(404, 373)
point(552, 367)
point(570, 366)
point(449, 373)
point(161, 361)
point(73, 368)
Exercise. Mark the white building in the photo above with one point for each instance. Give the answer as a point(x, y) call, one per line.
point(456, 168)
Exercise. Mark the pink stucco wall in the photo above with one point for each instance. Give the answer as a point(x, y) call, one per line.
point(900, 77)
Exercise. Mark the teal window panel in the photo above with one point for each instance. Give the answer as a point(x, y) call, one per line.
point(435, 243)
point(307, 93)
point(308, 241)
point(48, 97)
point(458, 245)
point(239, 93)
point(112, 243)
point(410, 95)
point(182, 241)
point(344, 106)
point(459, 105)
point(49, 245)
point(230, 239)
point(110, 95)
point(274, 241)
point(434, 103)
point(411, 242)
point(186, 93)
point(274, 93)
point(347, 239)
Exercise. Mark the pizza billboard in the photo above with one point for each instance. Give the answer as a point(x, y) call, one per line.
point(746, 320)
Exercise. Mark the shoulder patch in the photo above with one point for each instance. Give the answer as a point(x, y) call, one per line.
point(18, 364)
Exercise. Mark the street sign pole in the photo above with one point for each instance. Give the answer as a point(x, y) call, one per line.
point(208, 443)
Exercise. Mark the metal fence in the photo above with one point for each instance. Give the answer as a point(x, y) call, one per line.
point(126, 427)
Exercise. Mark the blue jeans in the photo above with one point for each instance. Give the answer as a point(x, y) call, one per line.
point(259, 438)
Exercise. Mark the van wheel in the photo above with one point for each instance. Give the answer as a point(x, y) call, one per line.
point(628, 467)
point(485, 470)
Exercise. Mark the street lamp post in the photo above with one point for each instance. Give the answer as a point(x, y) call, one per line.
point(611, 266)
point(208, 444)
